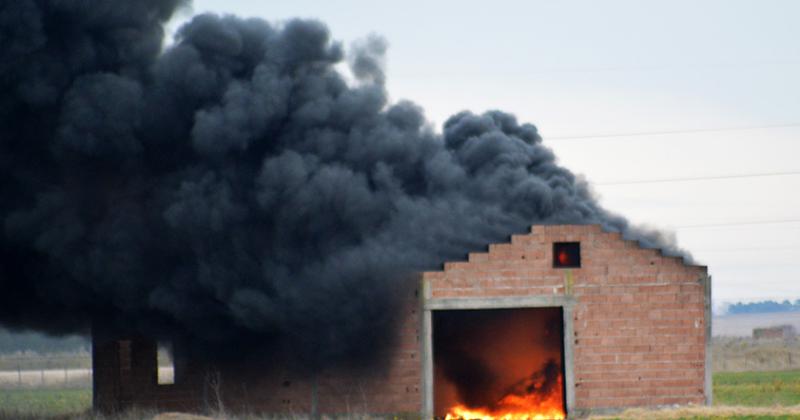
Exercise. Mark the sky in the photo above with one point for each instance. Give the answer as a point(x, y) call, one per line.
point(622, 91)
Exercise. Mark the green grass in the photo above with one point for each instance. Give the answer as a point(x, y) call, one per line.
point(757, 388)
point(33, 361)
point(45, 402)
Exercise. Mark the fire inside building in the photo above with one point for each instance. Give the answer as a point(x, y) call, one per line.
point(561, 322)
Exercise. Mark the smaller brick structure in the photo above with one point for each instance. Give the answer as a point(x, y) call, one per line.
point(779, 332)
point(126, 376)
point(636, 329)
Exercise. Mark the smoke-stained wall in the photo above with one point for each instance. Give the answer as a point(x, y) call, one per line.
point(233, 191)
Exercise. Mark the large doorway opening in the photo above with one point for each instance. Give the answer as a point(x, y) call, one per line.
point(499, 363)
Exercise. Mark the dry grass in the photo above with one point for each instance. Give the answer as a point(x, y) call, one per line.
point(88, 415)
point(706, 412)
point(181, 416)
point(739, 354)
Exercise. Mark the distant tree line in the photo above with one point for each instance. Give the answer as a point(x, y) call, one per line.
point(13, 342)
point(767, 306)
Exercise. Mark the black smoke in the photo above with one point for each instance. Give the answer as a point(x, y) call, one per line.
point(233, 190)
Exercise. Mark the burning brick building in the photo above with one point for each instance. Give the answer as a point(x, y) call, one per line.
point(565, 320)
point(232, 193)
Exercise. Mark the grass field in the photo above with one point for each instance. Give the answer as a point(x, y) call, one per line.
point(36, 361)
point(739, 396)
point(757, 388)
point(44, 402)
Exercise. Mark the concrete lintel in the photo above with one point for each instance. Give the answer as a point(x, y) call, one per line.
point(499, 302)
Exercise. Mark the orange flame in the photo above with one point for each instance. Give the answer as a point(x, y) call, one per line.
point(563, 258)
point(531, 406)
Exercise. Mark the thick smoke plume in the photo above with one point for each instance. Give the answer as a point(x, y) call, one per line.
point(234, 190)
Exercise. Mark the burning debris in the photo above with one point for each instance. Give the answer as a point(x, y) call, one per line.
point(232, 192)
point(537, 397)
point(480, 360)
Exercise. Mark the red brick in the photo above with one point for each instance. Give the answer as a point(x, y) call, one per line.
point(639, 339)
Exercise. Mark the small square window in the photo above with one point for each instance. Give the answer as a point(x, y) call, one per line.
point(566, 255)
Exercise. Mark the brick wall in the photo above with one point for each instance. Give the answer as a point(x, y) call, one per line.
point(639, 317)
point(125, 375)
point(639, 324)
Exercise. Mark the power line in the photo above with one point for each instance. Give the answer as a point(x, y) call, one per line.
point(774, 248)
point(699, 178)
point(669, 132)
point(622, 68)
point(660, 67)
point(753, 223)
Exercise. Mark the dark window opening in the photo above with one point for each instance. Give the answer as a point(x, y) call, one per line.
point(566, 255)
point(165, 364)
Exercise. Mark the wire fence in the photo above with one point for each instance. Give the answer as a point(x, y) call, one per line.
point(74, 370)
point(731, 354)
point(46, 378)
point(26, 370)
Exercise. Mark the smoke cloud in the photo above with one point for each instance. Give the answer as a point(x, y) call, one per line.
point(234, 190)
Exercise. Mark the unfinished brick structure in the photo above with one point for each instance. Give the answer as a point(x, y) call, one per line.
point(636, 326)
point(778, 332)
